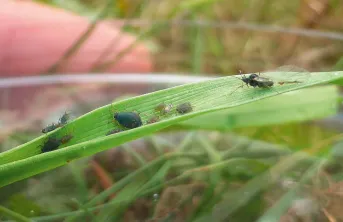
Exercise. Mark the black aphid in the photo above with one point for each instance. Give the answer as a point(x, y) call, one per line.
point(255, 80)
point(128, 120)
point(50, 144)
point(184, 108)
point(65, 118)
point(51, 127)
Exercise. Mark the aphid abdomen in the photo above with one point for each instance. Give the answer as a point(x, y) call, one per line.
point(265, 84)
point(184, 108)
point(128, 120)
point(254, 83)
point(50, 145)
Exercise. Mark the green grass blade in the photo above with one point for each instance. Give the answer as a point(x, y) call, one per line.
point(278, 209)
point(198, 48)
point(237, 199)
point(131, 191)
point(126, 196)
point(300, 105)
point(89, 130)
point(11, 214)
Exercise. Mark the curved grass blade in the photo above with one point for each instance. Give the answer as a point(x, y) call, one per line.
point(300, 105)
point(89, 130)
point(289, 74)
point(11, 214)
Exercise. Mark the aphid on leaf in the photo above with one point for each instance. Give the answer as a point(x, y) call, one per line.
point(184, 108)
point(65, 118)
point(50, 144)
point(128, 120)
point(164, 108)
point(256, 80)
point(153, 119)
point(51, 127)
point(114, 131)
point(61, 122)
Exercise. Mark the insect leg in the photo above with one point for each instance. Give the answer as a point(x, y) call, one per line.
point(236, 89)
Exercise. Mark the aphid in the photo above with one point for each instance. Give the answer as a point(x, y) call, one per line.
point(255, 80)
point(51, 127)
point(164, 108)
point(65, 139)
point(64, 118)
point(184, 108)
point(50, 144)
point(62, 121)
point(153, 119)
point(128, 120)
point(114, 131)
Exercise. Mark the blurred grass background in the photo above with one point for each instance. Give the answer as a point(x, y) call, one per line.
point(212, 36)
point(204, 37)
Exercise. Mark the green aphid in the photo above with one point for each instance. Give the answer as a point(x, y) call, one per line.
point(164, 108)
point(153, 119)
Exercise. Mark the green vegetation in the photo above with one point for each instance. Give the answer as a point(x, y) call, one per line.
point(243, 154)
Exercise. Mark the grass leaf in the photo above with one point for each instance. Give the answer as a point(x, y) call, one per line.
point(90, 129)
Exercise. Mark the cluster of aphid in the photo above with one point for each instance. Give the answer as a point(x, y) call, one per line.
point(130, 120)
point(61, 122)
point(127, 120)
point(52, 143)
